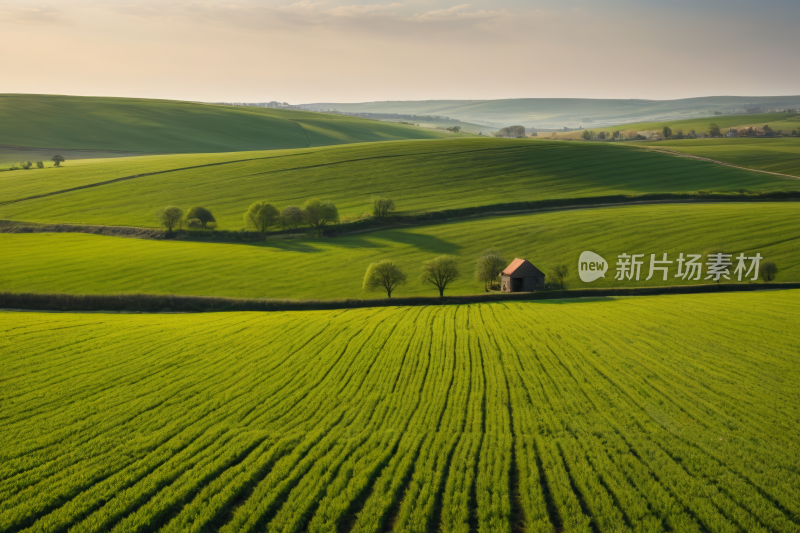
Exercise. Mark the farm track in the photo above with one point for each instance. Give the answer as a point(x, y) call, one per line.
point(675, 413)
point(715, 161)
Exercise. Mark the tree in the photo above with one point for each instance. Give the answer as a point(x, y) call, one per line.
point(39, 164)
point(667, 132)
point(768, 270)
point(517, 132)
point(384, 274)
point(602, 135)
point(489, 266)
point(713, 130)
point(202, 214)
point(559, 274)
point(440, 272)
point(319, 214)
point(456, 129)
point(169, 216)
point(615, 135)
point(57, 160)
point(768, 131)
point(26, 165)
point(679, 134)
point(382, 206)
point(260, 216)
point(291, 216)
point(587, 135)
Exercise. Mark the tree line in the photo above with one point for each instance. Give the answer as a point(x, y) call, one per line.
point(27, 165)
point(444, 270)
point(261, 216)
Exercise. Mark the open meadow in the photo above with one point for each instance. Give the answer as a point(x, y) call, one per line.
point(669, 413)
point(418, 175)
point(334, 267)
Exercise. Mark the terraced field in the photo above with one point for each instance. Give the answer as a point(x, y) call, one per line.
point(670, 413)
point(334, 268)
point(418, 175)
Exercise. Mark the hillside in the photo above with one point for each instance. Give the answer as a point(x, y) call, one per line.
point(166, 126)
point(777, 121)
point(773, 155)
point(558, 113)
point(334, 267)
point(420, 176)
point(647, 410)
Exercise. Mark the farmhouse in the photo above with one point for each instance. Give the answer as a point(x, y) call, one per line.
point(521, 276)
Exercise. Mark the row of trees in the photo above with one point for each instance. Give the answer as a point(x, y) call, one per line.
point(443, 270)
point(261, 216)
point(315, 212)
point(26, 165)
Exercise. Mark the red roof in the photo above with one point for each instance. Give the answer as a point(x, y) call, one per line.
point(515, 264)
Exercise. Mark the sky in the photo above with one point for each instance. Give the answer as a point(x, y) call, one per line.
point(329, 51)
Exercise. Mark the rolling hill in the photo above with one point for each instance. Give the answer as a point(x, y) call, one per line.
point(334, 267)
point(669, 413)
point(777, 121)
point(419, 175)
point(166, 126)
point(557, 113)
point(772, 155)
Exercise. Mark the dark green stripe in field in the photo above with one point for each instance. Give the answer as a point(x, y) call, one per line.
point(143, 125)
point(334, 267)
point(651, 414)
point(418, 175)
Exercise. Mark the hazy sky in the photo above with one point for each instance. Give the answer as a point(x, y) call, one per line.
point(330, 51)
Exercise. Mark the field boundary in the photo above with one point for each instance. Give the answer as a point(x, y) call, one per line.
point(404, 220)
point(172, 303)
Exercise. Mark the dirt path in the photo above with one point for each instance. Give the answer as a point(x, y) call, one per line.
point(723, 163)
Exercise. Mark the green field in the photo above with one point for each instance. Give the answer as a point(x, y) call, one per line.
point(334, 267)
point(670, 413)
point(773, 155)
point(143, 125)
point(777, 121)
point(418, 175)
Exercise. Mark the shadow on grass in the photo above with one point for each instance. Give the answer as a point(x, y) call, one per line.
point(385, 239)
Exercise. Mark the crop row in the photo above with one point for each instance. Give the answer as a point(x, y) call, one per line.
point(671, 413)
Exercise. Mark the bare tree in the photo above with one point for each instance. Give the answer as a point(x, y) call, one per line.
point(384, 274)
point(488, 268)
point(440, 272)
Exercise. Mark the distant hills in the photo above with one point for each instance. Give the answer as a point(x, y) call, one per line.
point(557, 113)
point(159, 126)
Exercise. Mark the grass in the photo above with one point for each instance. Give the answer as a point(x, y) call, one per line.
point(418, 175)
point(142, 125)
point(773, 155)
point(777, 121)
point(673, 413)
point(334, 267)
